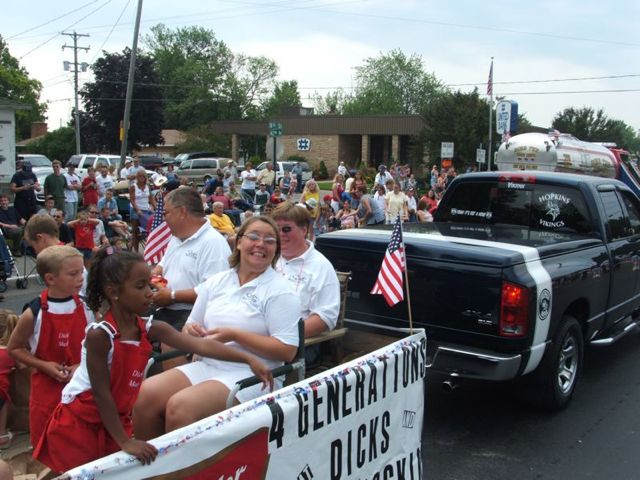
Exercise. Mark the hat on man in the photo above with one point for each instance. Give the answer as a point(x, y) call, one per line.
point(229, 162)
point(49, 197)
point(127, 160)
point(171, 185)
point(327, 198)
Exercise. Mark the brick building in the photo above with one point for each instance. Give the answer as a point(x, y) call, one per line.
point(370, 139)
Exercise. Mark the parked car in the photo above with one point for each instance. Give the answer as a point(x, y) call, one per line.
point(95, 160)
point(41, 166)
point(151, 162)
point(181, 157)
point(200, 170)
point(286, 166)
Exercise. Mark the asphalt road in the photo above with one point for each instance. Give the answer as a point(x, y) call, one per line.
point(483, 432)
point(15, 298)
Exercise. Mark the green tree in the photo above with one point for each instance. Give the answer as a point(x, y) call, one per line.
point(331, 104)
point(461, 118)
point(594, 126)
point(59, 144)
point(192, 65)
point(16, 85)
point(285, 94)
point(392, 83)
point(199, 139)
point(104, 104)
point(203, 80)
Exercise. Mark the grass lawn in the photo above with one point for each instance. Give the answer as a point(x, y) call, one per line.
point(325, 185)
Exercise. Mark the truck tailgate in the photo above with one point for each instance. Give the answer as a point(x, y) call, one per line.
point(457, 285)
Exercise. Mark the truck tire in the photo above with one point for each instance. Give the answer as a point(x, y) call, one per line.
point(555, 379)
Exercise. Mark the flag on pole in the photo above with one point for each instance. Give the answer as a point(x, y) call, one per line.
point(159, 236)
point(490, 81)
point(390, 280)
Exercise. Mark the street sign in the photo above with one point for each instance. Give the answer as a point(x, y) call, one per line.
point(275, 129)
point(446, 150)
point(506, 116)
point(481, 155)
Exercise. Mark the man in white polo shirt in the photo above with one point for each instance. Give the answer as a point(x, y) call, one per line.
point(195, 252)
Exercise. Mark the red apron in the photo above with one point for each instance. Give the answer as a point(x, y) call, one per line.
point(75, 434)
point(60, 341)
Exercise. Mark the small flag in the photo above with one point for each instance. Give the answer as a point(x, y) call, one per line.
point(159, 236)
point(490, 81)
point(390, 281)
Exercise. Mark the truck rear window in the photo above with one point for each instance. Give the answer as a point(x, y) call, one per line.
point(538, 207)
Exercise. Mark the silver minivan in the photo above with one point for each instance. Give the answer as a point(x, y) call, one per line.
point(201, 170)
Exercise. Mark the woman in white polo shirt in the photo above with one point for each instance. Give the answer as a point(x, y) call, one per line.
point(250, 307)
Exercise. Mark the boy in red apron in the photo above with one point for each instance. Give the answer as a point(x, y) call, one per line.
point(49, 333)
point(94, 416)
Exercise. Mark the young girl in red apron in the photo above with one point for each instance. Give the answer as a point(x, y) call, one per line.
point(94, 417)
point(8, 321)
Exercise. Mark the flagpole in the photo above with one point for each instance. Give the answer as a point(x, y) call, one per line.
point(406, 279)
point(490, 92)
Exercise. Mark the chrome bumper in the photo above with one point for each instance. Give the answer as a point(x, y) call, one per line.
point(466, 362)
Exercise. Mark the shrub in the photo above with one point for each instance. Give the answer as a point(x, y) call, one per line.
point(322, 171)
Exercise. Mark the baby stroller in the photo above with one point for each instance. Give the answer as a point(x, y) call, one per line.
point(7, 265)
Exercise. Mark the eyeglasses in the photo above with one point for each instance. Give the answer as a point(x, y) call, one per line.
point(57, 216)
point(266, 239)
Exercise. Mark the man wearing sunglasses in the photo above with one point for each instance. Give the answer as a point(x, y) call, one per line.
point(308, 271)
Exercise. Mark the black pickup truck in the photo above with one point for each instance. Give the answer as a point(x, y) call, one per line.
point(515, 275)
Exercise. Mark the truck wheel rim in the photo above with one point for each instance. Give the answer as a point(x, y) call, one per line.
point(568, 364)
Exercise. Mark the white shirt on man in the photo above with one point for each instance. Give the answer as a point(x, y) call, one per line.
point(72, 179)
point(186, 264)
point(103, 184)
point(246, 183)
point(315, 281)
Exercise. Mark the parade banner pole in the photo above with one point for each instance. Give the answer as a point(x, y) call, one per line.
point(406, 279)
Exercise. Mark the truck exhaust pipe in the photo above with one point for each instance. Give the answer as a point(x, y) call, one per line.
point(450, 385)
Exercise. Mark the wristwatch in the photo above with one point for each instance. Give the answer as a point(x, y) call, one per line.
point(173, 296)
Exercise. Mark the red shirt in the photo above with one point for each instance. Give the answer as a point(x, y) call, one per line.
point(89, 193)
point(84, 235)
point(6, 366)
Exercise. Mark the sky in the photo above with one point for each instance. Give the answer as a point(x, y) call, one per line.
point(548, 55)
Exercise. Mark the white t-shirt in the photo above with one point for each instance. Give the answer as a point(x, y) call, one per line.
point(103, 184)
point(56, 307)
point(71, 195)
point(248, 184)
point(186, 264)
point(315, 281)
point(264, 306)
point(80, 381)
point(142, 197)
point(124, 171)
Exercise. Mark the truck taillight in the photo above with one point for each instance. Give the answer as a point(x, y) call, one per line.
point(514, 310)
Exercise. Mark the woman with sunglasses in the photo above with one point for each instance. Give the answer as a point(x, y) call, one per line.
point(250, 307)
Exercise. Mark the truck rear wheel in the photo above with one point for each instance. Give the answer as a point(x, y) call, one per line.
point(555, 379)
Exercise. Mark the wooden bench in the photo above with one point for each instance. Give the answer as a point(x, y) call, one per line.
point(340, 330)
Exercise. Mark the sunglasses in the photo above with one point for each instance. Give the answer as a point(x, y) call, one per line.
point(92, 212)
point(286, 229)
point(57, 216)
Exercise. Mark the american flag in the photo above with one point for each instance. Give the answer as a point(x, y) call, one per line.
point(159, 236)
point(390, 280)
point(490, 82)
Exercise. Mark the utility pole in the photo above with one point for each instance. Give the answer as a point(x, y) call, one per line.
point(127, 100)
point(75, 74)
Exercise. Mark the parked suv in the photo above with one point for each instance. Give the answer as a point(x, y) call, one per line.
point(41, 166)
point(200, 170)
point(96, 160)
point(286, 166)
point(151, 162)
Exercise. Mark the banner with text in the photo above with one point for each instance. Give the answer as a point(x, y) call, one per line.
point(360, 420)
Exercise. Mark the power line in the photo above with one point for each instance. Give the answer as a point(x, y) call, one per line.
point(52, 20)
point(72, 25)
point(110, 32)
